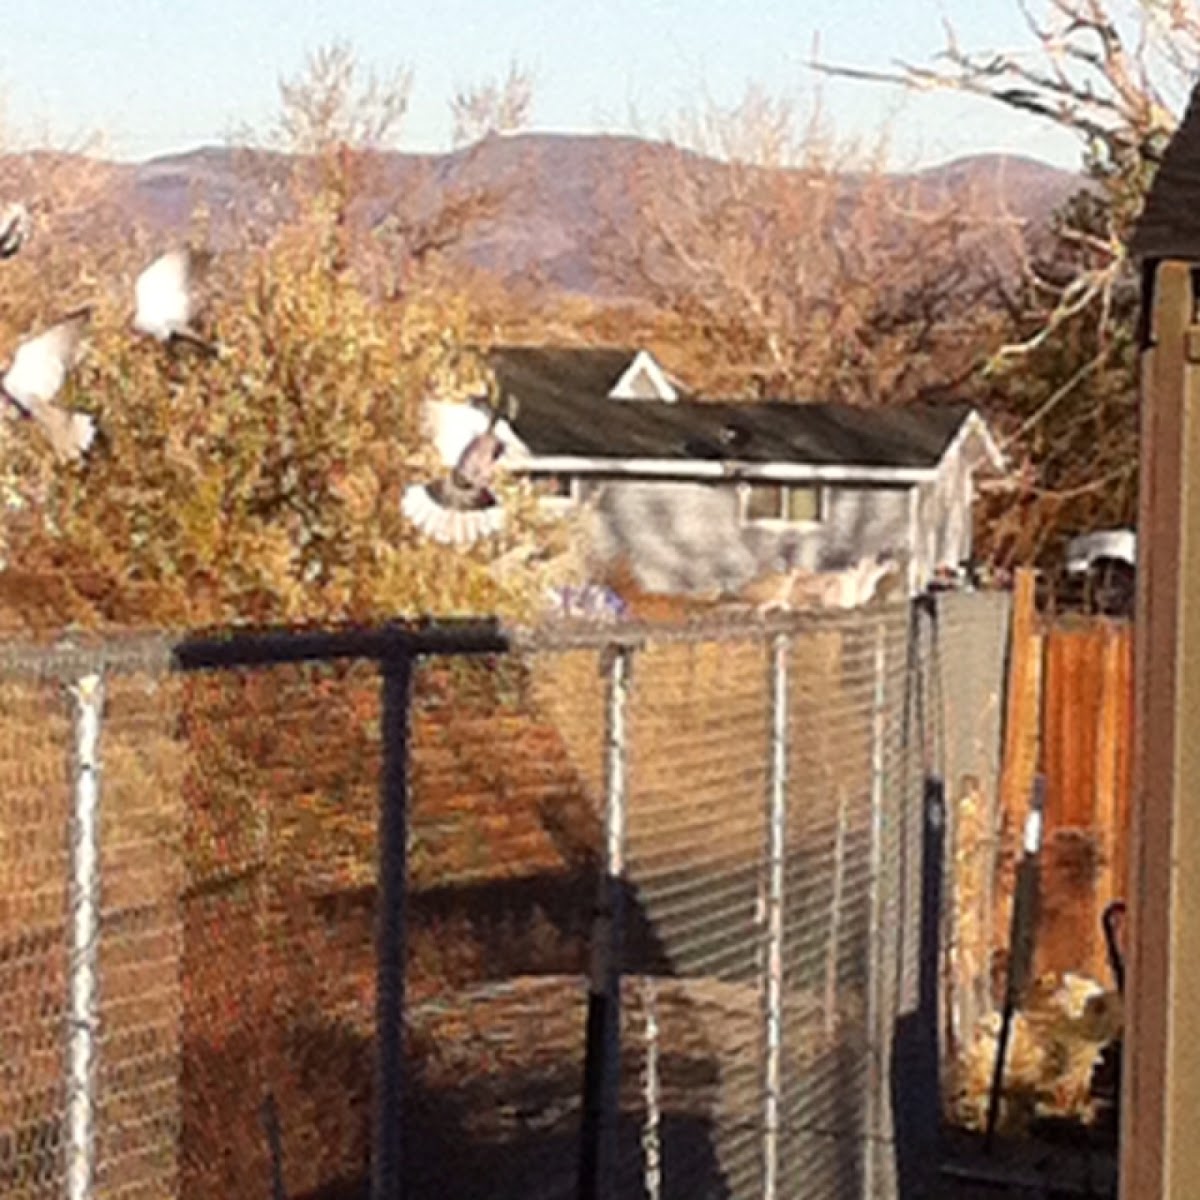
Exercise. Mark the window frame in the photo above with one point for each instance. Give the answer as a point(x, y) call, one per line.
point(557, 500)
point(744, 490)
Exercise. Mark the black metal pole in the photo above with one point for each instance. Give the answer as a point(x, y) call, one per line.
point(602, 1056)
point(387, 1159)
point(1021, 943)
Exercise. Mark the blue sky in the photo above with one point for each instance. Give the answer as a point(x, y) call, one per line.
point(153, 76)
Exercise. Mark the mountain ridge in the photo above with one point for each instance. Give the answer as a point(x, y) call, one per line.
point(558, 192)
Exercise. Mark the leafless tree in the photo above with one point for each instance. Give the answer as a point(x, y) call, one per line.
point(496, 106)
point(1116, 74)
point(801, 266)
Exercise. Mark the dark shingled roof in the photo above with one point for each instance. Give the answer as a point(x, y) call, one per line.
point(591, 370)
point(564, 410)
point(1170, 224)
point(576, 425)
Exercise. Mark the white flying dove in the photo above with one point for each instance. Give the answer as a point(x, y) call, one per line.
point(36, 375)
point(165, 298)
point(16, 226)
point(460, 508)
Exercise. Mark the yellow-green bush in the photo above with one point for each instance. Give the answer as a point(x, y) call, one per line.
point(262, 485)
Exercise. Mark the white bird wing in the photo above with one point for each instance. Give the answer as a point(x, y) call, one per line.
point(514, 448)
point(71, 434)
point(452, 428)
point(162, 294)
point(40, 365)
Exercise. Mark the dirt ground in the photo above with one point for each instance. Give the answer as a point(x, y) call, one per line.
point(1066, 1164)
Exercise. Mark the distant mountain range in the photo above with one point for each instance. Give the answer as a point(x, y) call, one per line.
point(557, 193)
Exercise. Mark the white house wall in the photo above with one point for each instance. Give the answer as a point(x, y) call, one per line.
point(945, 518)
point(685, 537)
point(861, 521)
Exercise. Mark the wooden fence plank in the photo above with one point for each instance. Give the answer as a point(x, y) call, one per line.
point(1022, 736)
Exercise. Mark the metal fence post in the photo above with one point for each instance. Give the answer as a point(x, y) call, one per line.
point(387, 1159)
point(652, 1089)
point(83, 1000)
point(776, 852)
point(601, 1075)
point(877, 950)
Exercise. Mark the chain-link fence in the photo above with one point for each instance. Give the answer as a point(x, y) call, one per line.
point(463, 912)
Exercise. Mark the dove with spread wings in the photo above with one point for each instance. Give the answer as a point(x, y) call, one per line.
point(166, 298)
point(471, 439)
point(36, 375)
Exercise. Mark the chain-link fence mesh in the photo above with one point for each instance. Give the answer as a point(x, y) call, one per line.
point(278, 963)
point(35, 808)
point(771, 834)
point(695, 834)
point(971, 657)
point(507, 806)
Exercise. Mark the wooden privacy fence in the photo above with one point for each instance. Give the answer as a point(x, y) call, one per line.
point(1070, 714)
point(1086, 727)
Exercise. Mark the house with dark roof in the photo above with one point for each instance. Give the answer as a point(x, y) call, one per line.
point(699, 495)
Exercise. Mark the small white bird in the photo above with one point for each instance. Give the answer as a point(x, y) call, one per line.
point(856, 585)
point(460, 508)
point(851, 587)
point(16, 227)
point(165, 298)
point(36, 375)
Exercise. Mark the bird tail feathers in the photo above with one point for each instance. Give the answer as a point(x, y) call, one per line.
point(451, 527)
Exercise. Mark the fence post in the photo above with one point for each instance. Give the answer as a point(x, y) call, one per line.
point(877, 950)
point(652, 1133)
point(387, 1156)
point(602, 1062)
point(83, 1001)
point(776, 850)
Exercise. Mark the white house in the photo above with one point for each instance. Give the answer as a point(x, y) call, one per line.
point(701, 494)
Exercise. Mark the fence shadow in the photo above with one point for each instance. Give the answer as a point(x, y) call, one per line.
point(495, 1011)
point(915, 1084)
point(252, 873)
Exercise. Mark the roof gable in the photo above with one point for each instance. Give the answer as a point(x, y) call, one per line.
point(644, 380)
point(1170, 223)
point(618, 372)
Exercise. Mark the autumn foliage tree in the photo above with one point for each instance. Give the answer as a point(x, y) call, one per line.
point(263, 484)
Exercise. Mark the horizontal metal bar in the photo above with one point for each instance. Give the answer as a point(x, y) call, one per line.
point(86, 654)
point(156, 653)
point(730, 625)
point(276, 647)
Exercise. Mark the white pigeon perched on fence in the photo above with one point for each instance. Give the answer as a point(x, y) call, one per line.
point(16, 227)
point(166, 301)
point(36, 375)
point(460, 508)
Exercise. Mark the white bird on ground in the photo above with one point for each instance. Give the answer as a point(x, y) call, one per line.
point(36, 375)
point(851, 587)
point(460, 508)
point(16, 227)
point(165, 298)
point(856, 585)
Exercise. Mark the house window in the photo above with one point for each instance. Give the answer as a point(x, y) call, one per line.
point(781, 502)
point(555, 487)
